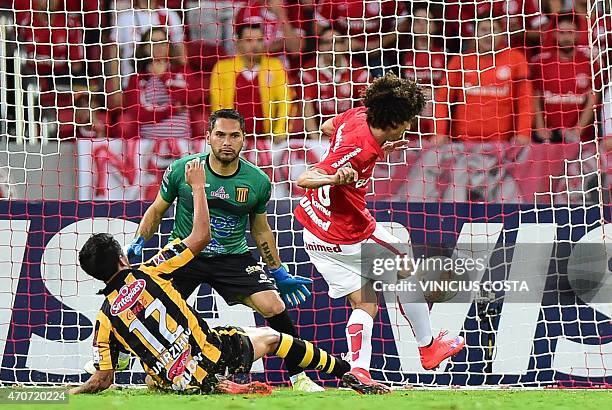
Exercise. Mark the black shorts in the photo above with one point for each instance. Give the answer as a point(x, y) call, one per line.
point(236, 350)
point(234, 277)
point(236, 355)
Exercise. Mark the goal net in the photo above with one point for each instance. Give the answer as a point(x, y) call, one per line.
point(507, 164)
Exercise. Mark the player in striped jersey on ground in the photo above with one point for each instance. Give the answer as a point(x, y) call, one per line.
point(145, 314)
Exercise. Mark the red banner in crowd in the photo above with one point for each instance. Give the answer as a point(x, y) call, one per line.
point(499, 173)
point(491, 172)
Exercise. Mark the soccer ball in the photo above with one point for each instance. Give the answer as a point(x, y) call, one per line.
point(435, 275)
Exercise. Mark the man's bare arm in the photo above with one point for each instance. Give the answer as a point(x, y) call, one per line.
point(152, 218)
point(200, 230)
point(327, 128)
point(314, 177)
point(264, 239)
point(587, 114)
point(99, 381)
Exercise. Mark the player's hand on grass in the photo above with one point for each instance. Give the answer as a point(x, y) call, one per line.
point(293, 289)
point(345, 175)
point(194, 174)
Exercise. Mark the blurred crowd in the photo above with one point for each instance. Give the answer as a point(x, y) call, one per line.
point(518, 71)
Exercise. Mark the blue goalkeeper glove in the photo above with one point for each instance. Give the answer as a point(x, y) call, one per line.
point(292, 289)
point(135, 248)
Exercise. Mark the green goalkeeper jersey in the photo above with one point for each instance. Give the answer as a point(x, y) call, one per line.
point(231, 199)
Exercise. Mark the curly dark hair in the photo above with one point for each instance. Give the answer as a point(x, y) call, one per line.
point(99, 257)
point(392, 101)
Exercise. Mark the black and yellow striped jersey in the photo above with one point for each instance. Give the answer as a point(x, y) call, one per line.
point(145, 314)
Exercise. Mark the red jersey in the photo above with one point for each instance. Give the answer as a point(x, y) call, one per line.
point(582, 29)
point(426, 67)
point(256, 12)
point(490, 98)
point(333, 90)
point(459, 17)
point(338, 214)
point(358, 17)
point(564, 85)
point(522, 14)
point(52, 43)
point(159, 104)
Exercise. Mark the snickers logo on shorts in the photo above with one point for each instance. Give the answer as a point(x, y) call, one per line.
point(242, 194)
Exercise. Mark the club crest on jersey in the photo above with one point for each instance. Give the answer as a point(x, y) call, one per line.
point(128, 295)
point(220, 193)
point(242, 194)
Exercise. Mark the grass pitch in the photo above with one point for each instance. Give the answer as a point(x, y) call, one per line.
point(334, 399)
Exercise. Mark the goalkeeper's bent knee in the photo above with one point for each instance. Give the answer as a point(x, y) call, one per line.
point(303, 354)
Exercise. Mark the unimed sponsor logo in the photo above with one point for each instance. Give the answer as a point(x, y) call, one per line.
point(128, 295)
point(322, 248)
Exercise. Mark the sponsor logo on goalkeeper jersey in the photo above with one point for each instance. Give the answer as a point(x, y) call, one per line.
point(214, 247)
point(220, 193)
point(128, 295)
point(223, 226)
point(346, 158)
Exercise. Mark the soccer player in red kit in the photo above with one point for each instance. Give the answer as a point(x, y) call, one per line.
point(336, 221)
point(489, 83)
point(425, 62)
point(562, 78)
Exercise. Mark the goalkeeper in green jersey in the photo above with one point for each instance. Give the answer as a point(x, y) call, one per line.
point(237, 193)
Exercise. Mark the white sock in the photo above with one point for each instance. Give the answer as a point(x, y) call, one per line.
point(418, 316)
point(359, 339)
point(416, 311)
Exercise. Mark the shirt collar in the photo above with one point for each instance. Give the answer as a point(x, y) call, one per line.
point(116, 281)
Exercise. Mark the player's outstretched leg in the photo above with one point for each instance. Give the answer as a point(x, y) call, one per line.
point(305, 355)
point(433, 351)
point(269, 304)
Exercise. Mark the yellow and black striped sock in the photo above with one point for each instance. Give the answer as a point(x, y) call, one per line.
point(302, 353)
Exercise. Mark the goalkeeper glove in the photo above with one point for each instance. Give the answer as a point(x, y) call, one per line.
point(135, 248)
point(292, 289)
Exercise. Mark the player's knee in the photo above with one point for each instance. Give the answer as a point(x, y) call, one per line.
point(369, 307)
point(274, 306)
